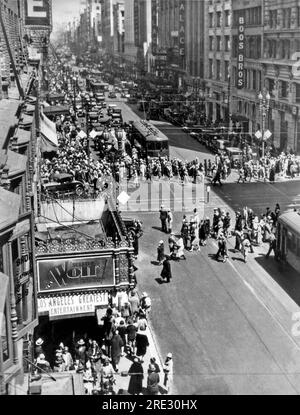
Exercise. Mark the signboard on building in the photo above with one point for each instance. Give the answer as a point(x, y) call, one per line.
point(154, 26)
point(182, 27)
point(241, 52)
point(72, 304)
point(37, 12)
point(61, 274)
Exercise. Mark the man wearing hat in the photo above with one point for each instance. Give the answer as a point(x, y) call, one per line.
point(163, 215)
point(42, 364)
point(160, 252)
point(39, 347)
point(166, 272)
point(152, 380)
point(168, 370)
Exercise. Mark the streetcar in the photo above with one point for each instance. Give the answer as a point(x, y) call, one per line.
point(288, 239)
point(149, 139)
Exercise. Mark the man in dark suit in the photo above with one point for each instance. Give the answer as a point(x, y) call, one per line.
point(166, 272)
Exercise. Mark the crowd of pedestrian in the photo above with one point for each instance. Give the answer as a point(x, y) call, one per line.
point(124, 336)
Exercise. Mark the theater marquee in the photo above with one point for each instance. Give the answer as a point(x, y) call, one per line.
point(37, 12)
point(182, 27)
point(72, 304)
point(65, 274)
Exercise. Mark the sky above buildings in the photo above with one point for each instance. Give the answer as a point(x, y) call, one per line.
point(64, 11)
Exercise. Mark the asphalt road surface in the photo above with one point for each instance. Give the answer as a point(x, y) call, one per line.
point(227, 325)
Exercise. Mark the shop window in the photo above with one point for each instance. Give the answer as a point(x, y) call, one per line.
point(4, 337)
point(218, 43)
point(211, 43)
point(211, 20)
point(227, 18)
point(227, 43)
point(284, 89)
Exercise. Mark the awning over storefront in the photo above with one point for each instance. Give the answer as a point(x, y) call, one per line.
point(56, 110)
point(48, 135)
point(16, 163)
point(26, 120)
point(9, 208)
point(23, 136)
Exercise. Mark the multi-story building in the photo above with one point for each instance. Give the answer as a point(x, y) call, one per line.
point(19, 120)
point(281, 77)
point(217, 50)
point(119, 29)
point(138, 33)
point(243, 102)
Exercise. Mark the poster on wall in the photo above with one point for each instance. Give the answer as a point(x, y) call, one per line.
point(74, 273)
point(37, 12)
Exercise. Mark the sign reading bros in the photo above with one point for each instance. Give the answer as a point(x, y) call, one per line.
point(241, 51)
point(37, 13)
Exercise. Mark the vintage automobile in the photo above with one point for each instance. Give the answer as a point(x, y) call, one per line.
point(63, 185)
point(112, 95)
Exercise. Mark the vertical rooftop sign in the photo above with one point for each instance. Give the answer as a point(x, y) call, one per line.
point(37, 12)
point(241, 52)
point(182, 27)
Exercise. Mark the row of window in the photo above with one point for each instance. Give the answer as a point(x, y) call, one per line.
point(217, 72)
point(216, 19)
point(283, 18)
point(252, 47)
point(252, 78)
point(217, 41)
point(252, 16)
point(281, 48)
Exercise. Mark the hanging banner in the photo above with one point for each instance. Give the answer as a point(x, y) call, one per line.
point(72, 304)
point(154, 26)
point(37, 12)
point(182, 27)
point(241, 53)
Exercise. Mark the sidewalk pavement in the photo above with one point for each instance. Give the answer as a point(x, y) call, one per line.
point(122, 382)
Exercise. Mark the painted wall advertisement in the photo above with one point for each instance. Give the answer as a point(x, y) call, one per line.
point(182, 27)
point(72, 304)
point(37, 12)
point(63, 274)
point(241, 52)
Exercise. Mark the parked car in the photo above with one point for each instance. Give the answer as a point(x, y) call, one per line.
point(63, 184)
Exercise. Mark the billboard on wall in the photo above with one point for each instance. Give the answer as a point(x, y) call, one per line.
point(37, 12)
point(241, 52)
point(61, 274)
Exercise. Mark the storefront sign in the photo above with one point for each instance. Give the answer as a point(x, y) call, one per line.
point(241, 53)
point(182, 27)
point(37, 13)
point(154, 26)
point(72, 304)
point(74, 273)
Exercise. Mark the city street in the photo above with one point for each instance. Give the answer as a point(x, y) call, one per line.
point(228, 325)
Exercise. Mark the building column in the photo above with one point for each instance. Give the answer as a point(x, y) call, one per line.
point(13, 312)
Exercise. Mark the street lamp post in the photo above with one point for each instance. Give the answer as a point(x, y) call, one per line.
point(264, 106)
point(74, 92)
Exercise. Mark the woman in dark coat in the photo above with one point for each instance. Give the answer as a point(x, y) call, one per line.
point(116, 349)
point(141, 342)
point(135, 386)
point(166, 272)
